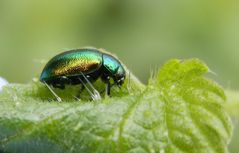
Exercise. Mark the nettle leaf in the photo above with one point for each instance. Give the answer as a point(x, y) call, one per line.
point(179, 111)
point(232, 105)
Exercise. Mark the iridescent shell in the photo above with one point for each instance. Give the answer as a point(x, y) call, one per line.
point(68, 67)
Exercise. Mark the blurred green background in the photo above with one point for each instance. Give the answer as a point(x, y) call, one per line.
point(143, 33)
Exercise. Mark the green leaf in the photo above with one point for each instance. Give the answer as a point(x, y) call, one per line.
point(179, 111)
point(232, 105)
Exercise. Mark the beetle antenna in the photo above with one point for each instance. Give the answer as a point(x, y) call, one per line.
point(51, 90)
point(95, 93)
point(111, 85)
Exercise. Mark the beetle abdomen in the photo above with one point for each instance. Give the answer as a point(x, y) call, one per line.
point(72, 63)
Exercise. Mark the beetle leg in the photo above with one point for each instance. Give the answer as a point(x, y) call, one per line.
point(66, 80)
point(108, 87)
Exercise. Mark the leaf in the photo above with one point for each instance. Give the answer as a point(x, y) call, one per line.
point(180, 111)
point(232, 107)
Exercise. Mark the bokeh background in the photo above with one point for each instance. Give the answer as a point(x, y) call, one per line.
point(143, 33)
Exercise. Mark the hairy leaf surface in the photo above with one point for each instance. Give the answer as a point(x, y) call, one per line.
point(179, 111)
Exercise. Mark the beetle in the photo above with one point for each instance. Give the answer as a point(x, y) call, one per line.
point(88, 64)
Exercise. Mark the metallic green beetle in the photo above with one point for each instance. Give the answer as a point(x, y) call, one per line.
point(71, 67)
